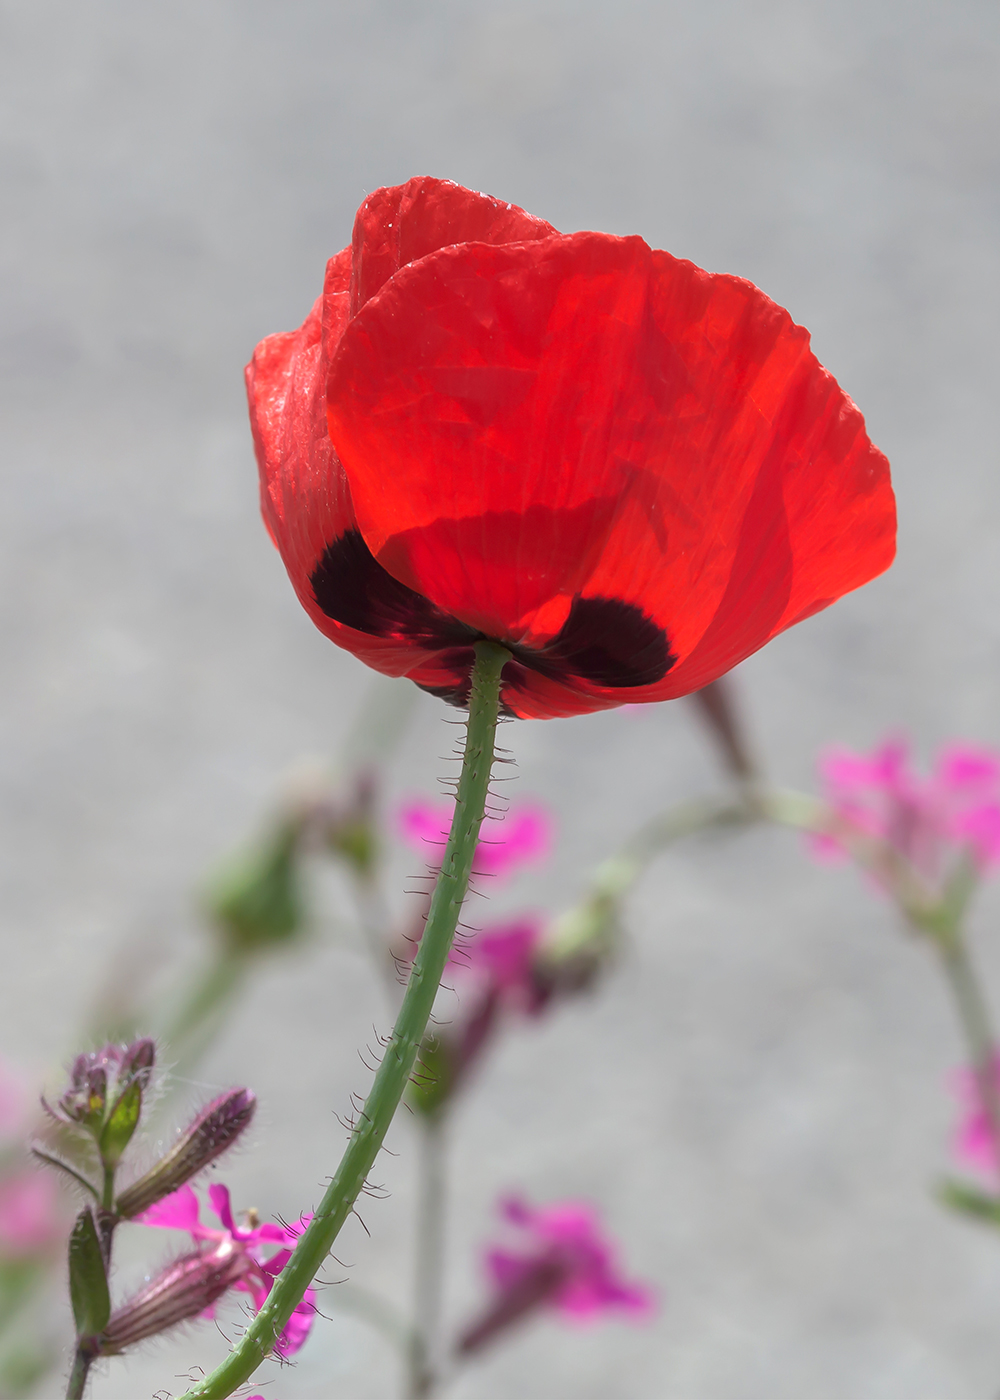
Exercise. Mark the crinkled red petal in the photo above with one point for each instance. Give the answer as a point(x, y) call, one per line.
point(404, 223)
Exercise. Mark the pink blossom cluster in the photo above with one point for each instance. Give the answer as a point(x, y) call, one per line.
point(929, 823)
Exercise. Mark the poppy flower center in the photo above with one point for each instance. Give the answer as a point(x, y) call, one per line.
point(605, 641)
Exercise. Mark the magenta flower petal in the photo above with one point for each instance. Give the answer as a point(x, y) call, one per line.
point(559, 1258)
point(929, 823)
point(523, 835)
point(506, 841)
point(222, 1205)
point(973, 1141)
point(178, 1211)
point(504, 955)
point(299, 1325)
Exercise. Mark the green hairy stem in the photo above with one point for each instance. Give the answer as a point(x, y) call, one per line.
point(400, 1054)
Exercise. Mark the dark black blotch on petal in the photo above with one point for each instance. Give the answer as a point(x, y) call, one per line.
point(603, 641)
point(609, 643)
point(352, 588)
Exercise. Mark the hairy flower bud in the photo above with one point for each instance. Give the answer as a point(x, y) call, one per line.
point(137, 1062)
point(213, 1132)
point(182, 1291)
point(102, 1077)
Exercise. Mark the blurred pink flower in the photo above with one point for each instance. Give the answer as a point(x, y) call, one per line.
point(31, 1220)
point(500, 960)
point(507, 840)
point(181, 1211)
point(561, 1260)
point(927, 822)
point(973, 1140)
point(30, 1217)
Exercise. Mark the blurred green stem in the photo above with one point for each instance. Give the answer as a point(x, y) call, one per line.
point(930, 915)
point(976, 1022)
point(394, 1071)
point(200, 1014)
point(429, 1271)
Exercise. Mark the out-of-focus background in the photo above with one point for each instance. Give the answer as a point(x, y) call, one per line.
point(758, 1099)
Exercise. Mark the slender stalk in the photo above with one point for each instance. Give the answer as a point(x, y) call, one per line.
point(974, 1015)
point(397, 1062)
point(928, 915)
point(195, 1022)
point(429, 1272)
point(81, 1369)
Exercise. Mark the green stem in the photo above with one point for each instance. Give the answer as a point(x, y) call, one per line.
point(397, 1062)
point(429, 1272)
point(196, 1021)
point(974, 1015)
point(78, 1376)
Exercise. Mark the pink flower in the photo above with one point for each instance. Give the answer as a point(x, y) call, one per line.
point(928, 823)
point(500, 960)
point(181, 1211)
point(508, 840)
point(560, 1260)
point(973, 1140)
point(30, 1219)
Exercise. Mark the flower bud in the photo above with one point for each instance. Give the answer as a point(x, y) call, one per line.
point(215, 1129)
point(259, 902)
point(534, 1287)
point(113, 1074)
point(182, 1291)
point(84, 1100)
point(137, 1062)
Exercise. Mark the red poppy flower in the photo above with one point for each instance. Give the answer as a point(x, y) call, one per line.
point(630, 472)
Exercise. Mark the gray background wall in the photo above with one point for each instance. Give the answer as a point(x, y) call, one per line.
point(757, 1098)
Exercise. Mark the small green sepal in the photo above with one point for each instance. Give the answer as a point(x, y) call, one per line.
point(122, 1123)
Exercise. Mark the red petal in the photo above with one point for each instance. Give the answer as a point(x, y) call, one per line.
point(398, 225)
point(484, 407)
point(305, 498)
point(521, 424)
